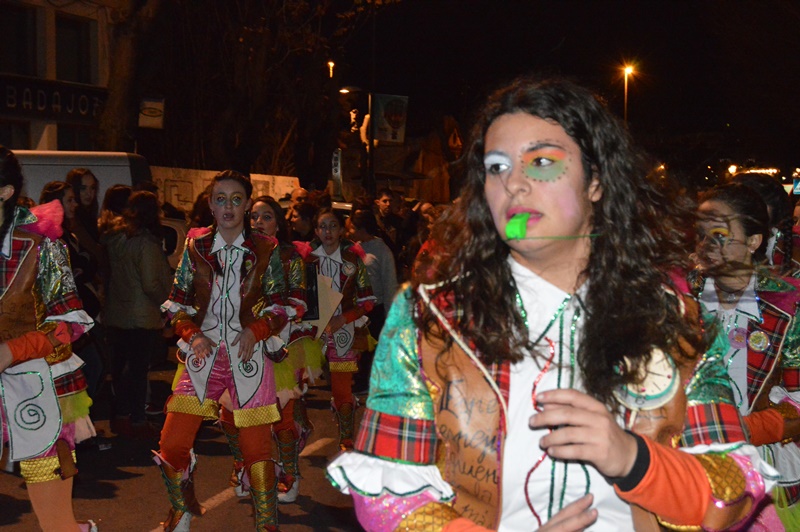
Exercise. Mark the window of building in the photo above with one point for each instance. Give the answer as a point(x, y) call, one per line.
point(15, 135)
point(73, 137)
point(75, 59)
point(18, 28)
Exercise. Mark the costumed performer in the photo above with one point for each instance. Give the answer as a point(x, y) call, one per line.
point(291, 373)
point(554, 335)
point(44, 405)
point(756, 309)
point(346, 334)
point(226, 305)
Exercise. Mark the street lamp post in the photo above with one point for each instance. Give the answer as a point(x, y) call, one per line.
point(628, 71)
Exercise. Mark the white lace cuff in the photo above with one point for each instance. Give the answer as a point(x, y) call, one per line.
point(373, 477)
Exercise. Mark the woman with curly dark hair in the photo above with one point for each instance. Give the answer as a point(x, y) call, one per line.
point(544, 359)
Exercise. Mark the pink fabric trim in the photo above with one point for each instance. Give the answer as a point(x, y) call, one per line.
point(303, 248)
point(221, 379)
point(755, 489)
point(358, 250)
point(48, 220)
point(197, 232)
point(384, 513)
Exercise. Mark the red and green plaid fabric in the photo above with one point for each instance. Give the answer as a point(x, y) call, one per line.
point(774, 325)
point(712, 423)
point(9, 267)
point(397, 438)
point(70, 384)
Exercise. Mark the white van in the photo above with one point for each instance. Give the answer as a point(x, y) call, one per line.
point(110, 168)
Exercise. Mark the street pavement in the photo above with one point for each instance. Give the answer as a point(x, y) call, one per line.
point(121, 489)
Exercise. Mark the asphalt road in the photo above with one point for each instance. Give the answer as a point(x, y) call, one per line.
point(121, 488)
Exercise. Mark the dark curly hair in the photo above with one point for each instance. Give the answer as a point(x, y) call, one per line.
point(643, 239)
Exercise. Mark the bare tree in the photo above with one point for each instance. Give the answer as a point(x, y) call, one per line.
point(132, 23)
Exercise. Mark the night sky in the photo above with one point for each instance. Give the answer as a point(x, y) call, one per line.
point(713, 79)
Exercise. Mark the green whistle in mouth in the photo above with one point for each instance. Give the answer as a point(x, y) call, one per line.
point(517, 226)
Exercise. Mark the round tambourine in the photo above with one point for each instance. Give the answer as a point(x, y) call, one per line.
point(658, 385)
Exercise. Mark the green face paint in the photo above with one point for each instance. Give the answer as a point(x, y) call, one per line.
point(517, 226)
point(544, 164)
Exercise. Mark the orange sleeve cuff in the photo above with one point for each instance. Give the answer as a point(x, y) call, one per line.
point(675, 486)
point(765, 426)
point(186, 329)
point(352, 315)
point(463, 524)
point(34, 344)
point(261, 330)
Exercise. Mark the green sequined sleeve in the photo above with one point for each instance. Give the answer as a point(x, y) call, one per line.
point(273, 282)
point(182, 290)
point(397, 386)
point(791, 346)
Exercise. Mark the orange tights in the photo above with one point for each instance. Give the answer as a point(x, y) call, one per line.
point(177, 438)
point(341, 388)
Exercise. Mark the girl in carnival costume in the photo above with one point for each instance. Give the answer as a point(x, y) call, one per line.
point(227, 306)
point(346, 334)
point(756, 309)
point(550, 361)
point(291, 374)
point(43, 401)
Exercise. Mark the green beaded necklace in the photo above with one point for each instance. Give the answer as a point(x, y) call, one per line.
point(558, 316)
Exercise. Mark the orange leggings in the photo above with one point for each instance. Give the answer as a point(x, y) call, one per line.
point(287, 419)
point(341, 388)
point(178, 434)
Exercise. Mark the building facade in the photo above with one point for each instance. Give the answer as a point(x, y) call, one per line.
point(54, 68)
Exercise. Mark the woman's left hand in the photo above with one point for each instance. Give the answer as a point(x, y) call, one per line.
point(584, 429)
point(246, 341)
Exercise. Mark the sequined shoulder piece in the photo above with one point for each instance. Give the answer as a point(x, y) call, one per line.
point(709, 382)
point(397, 385)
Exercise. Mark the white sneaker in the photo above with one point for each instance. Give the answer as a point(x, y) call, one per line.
point(183, 524)
point(240, 491)
point(291, 495)
point(87, 526)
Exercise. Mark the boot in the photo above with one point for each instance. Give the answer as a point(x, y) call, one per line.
point(301, 419)
point(263, 485)
point(345, 417)
point(180, 489)
point(236, 480)
point(288, 454)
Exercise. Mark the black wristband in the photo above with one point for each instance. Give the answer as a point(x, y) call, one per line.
point(639, 469)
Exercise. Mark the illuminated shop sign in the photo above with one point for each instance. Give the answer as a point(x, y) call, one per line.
point(59, 101)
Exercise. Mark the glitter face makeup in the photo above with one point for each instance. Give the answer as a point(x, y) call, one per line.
point(221, 199)
point(537, 190)
point(544, 163)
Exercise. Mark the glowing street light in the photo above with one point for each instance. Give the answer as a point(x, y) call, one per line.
point(331, 64)
point(628, 72)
